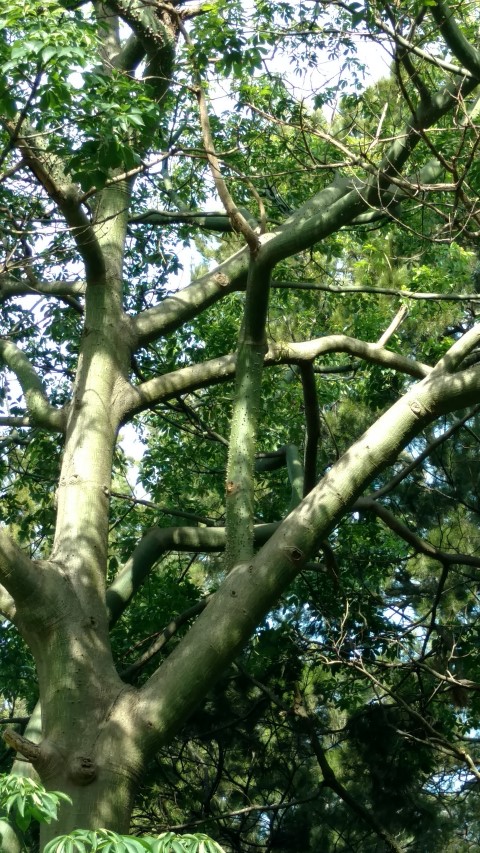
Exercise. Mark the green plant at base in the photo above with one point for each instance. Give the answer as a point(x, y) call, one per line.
point(86, 841)
point(24, 800)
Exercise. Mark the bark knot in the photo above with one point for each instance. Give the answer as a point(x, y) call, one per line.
point(294, 554)
point(83, 770)
point(221, 279)
point(418, 408)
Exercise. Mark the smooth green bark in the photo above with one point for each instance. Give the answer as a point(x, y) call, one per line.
point(240, 481)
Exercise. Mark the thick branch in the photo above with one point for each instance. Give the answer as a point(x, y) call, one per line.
point(208, 220)
point(21, 744)
point(295, 475)
point(19, 575)
point(7, 604)
point(10, 286)
point(189, 302)
point(240, 479)
point(151, 549)
point(302, 234)
point(312, 426)
point(461, 48)
point(156, 31)
point(332, 208)
point(252, 588)
point(231, 275)
point(130, 55)
point(222, 369)
point(39, 409)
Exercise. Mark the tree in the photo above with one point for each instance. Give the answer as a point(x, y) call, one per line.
point(112, 153)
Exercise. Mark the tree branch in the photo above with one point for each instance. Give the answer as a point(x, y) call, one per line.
point(165, 510)
point(312, 426)
point(156, 542)
point(329, 210)
point(163, 637)
point(367, 504)
point(138, 398)
point(393, 326)
point(452, 360)
point(236, 217)
point(251, 589)
point(40, 411)
point(21, 744)
point(408, 469)
point(208, 220)
point(175, 310)
point(49, 171)
point(336, 786)
point(130, 55)
point(295, 475)
point(330, 780)
point(7, 604)
point(384, 291)
point(11, 286)
point(265, 807)
point(19, 575)
point(422, 54)
point(437, 738)
point(240, 480)
point(157, 31)
point(461, 48)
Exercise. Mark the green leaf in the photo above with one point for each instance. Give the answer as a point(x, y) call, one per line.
point(48, 52)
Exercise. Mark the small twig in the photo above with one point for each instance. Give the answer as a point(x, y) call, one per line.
point(396, 322)
point(273, 807)
point(165, 510)
point(168, 632)
point(239, 223)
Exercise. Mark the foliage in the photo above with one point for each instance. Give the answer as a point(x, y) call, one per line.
point(87, 841)
point(25, 800)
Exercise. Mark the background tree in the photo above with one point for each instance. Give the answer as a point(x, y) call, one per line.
point(307, 543)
